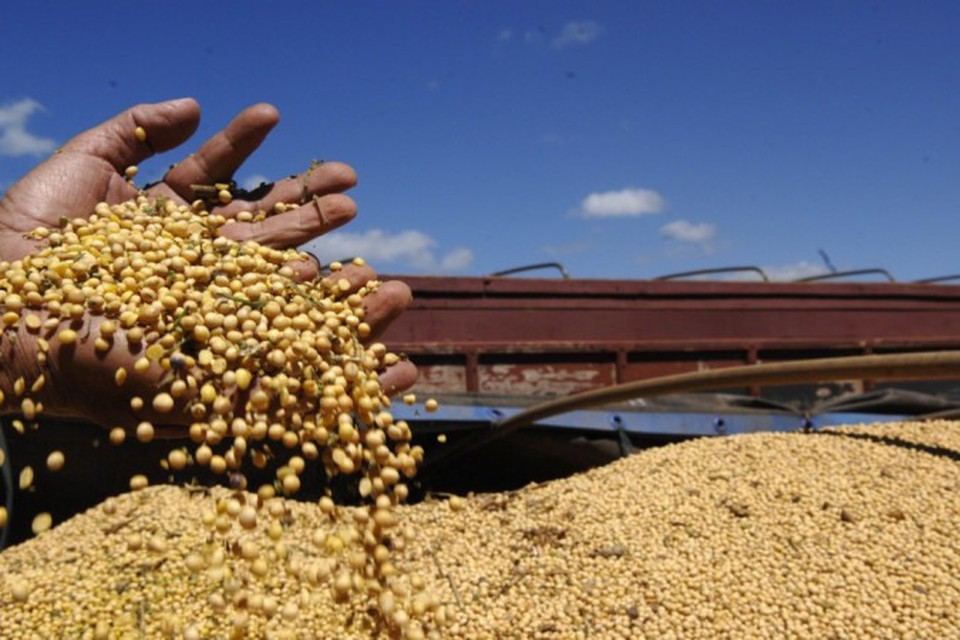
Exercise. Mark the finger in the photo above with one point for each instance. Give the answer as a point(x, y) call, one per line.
point(298, 226)
point(167, 125)
point(398, 378)
point(162, 189)
point(220, 156)
point(384, 305)
point(305, 269)
point(380, 307)
point(356, 274)
point(319, 180)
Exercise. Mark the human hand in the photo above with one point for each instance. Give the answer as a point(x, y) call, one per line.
point(90, 168)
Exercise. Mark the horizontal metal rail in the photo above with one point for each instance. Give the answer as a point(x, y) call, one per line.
point(531, 267)
point(843, 274)
point(955, 276)
point(709, 272)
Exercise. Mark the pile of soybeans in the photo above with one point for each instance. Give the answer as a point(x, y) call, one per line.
point(848, 533)
point(262, 369)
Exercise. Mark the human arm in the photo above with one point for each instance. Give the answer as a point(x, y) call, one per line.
point(90, 168)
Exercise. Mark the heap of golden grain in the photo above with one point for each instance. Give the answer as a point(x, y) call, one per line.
point(844, 534)
point(256, 360)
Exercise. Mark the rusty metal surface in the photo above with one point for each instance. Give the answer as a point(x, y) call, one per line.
point(530, 336)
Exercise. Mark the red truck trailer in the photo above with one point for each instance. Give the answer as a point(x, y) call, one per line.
point(524, 336)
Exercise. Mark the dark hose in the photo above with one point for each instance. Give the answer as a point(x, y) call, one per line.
point(922, 365)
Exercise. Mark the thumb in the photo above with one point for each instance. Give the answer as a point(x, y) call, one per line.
point(167, 125)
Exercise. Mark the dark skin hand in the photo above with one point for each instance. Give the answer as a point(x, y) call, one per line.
point(89, 169)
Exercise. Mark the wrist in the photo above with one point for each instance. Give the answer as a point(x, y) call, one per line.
point(23, 364)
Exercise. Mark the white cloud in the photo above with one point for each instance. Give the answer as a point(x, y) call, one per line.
point(577, 32)
point(254, 181)
point(407, 249)
point(15, 140)
point(457, 260)
point(626, 202)
point(795, 271)
point(683, 231)
point(504, 34)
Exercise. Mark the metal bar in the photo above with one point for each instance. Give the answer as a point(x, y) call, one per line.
point(472, 375)
point(706, 272)
point(620, 367)
point(955, 276)
point(530, 267)
point(842, 274)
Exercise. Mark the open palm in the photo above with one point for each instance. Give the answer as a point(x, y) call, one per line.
point(90, 169)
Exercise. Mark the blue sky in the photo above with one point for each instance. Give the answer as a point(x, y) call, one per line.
point(625, 139)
